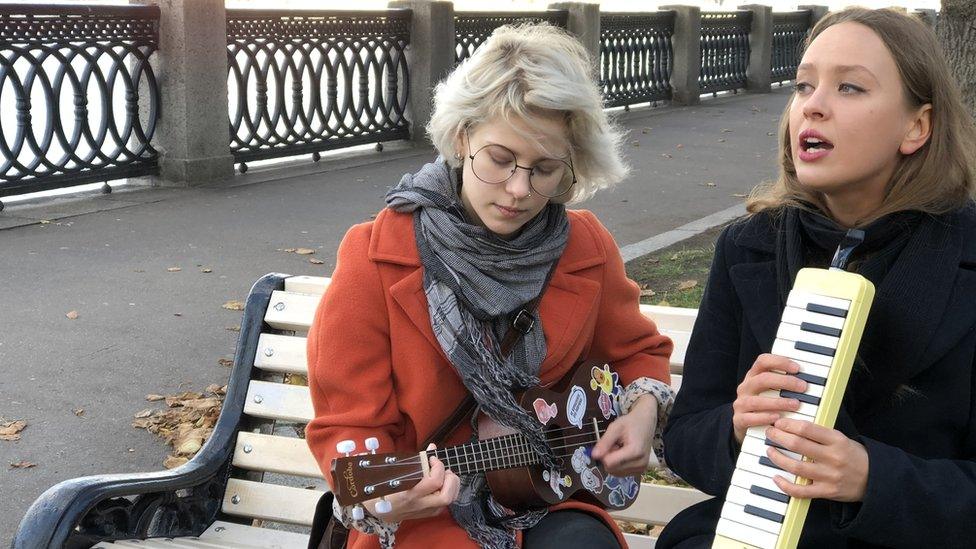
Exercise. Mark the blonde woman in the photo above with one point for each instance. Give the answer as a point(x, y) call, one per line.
point(422, 296)
point(876, 137)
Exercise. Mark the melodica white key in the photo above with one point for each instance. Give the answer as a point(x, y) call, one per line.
point(820, 330)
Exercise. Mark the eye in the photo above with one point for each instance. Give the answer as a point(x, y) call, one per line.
point(802, 87)
point(849, 89)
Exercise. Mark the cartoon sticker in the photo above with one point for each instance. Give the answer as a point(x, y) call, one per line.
point(621, 489)
point(606, 405)
point(556, 482)
point(576, 406)
point(580, 459)
point(603, 379)
point(592, 480)
point(543, 410)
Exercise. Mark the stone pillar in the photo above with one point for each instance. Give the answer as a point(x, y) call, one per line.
point(193, 135)
point(584, 22)
point(686, 44)
point(931, 17)
point(817, 13)
point(430, 57)
point(758, 74)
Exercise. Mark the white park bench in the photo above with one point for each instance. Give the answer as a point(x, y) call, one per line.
point(225, 496)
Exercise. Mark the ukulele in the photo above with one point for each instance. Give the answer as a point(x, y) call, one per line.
point(573, 420)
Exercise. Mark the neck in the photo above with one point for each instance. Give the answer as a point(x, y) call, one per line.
point(850, 210)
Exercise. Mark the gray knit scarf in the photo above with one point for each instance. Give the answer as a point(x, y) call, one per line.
point(474, 282)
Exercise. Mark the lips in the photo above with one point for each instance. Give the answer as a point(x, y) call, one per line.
point(813, 146)
point(509, 212)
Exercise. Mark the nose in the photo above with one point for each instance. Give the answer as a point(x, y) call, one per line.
point(816, 105)
point(518, 185)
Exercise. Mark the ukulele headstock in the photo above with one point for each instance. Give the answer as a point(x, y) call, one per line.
point(366, 476)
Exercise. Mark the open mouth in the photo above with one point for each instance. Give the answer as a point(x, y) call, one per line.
point(812, 142)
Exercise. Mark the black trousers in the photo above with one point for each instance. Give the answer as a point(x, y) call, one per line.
point(570, 529)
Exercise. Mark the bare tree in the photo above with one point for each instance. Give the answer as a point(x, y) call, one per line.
point(957, 32)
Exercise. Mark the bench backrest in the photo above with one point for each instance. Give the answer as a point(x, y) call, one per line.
point(260, 455)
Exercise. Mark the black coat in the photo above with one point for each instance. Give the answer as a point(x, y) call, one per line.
point(916, 415)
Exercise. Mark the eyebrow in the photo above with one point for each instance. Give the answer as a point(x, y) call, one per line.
point(840, 69)
point(535, 159)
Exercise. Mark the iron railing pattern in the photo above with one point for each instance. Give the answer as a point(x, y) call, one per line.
point(636, 57)
point(724, 50)
point(79, 99)
point(790, 30)
point(471, 29)
point(309, 81)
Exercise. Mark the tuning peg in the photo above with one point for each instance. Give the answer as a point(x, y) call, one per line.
point(383, 506)
point(372, 444)
point(346, 447)
point(358, 513)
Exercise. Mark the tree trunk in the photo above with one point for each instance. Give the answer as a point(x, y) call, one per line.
point(956, 30)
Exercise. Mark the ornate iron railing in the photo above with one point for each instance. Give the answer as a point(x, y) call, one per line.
point(78, 97)
point(790, 29)
point(309, 81)
point(724, 50)
point(636, 57)
point(472, 28)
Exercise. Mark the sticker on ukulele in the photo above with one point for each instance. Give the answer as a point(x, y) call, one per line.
point(606, 405)
point(556, 482)
point(622, 489)
point(590, 476)
point(544, 411)
point(576, 406)
point(605, 380)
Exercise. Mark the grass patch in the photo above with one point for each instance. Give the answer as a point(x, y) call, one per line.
point(676, 275)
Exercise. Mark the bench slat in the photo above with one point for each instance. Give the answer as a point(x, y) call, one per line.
point(270, 501)
point(291, 311)
point(307, 284)
point(289, 456)
point(281, 353)
point(640, 541)
point(222, 535)
point(674, 318)
point(278, 401)
point(658, 504)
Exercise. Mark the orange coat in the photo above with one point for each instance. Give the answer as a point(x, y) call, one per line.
point(376, 369)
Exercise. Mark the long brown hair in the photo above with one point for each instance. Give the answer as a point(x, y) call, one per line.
point(937, 178)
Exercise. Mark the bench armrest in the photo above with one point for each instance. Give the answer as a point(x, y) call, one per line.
point(184, 501)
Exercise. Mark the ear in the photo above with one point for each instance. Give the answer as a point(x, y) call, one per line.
point(919, 131)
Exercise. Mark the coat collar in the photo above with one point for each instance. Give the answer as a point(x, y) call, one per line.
point(565, 303)
point(932, 293)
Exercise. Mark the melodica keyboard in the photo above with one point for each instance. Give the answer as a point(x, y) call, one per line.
point(820, 330)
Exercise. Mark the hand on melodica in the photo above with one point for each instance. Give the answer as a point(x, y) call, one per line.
point(839, 467)
point(751, 408)
point(625, 448)
point(427, 498)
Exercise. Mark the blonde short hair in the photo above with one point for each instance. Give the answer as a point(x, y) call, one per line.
point(526, 71)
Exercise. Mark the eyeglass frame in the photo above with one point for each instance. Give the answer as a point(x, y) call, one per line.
point(529, 169)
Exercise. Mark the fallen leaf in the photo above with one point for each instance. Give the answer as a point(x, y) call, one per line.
point(770, 133)
point(44, 222)
point(636, 143)
point(726, 130)
point(721, 140)
point(72, 315)
point(226, 362)
point(172, 462)
point(687, 285)
point(315, 261)
point(10, 430)
point(679, 146)
point(177, 314)
point(174, 269)
point(234, 305)
point(154, 397)
point(143, 413)
point(233, 328)
point(666, 155)
point(647, 293)
point(206, 270)
point(739, 195)
point(645, 130)
point(674, 257)
point(23, 464)
point(131, 450)
point(289, 250)
point(79, 412)
point(304, 251)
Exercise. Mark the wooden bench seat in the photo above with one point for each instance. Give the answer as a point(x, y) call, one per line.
point(223, 497)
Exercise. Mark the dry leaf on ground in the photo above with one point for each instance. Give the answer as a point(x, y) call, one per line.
point(174, 269)
point(72, 315)
point(10, 430)
point(226, 362)
point(234, 305)
point(739, 195)
point(79, 412)
point(186, 424)
point(172, 462)
point(647, 293)
point(687, 285)
point(206, 270)
point(154, 397)
point(315, 261)
point(233, 328)
point(23, 464)
point(304, 251)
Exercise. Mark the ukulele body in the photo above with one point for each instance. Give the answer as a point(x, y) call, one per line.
point(573, 417)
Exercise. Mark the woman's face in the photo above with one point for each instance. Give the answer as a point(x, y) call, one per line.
point(849, 120)
point(503, 208)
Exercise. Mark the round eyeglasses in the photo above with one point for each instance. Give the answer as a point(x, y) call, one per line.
point(495, 164)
